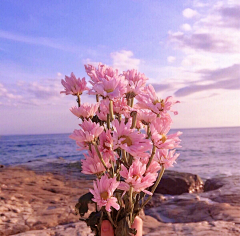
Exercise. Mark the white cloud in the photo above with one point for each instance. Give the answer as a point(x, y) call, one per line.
point(189, 13)
point(186, 27)
point(197, 61)
point(199, 4)
point(89, 61)
point(3, 90)
point(34, 93)
point(6, 94)
point(210, 50)
point(8, 97)
point(171, 59)
point(124, 60)
point(215, 30)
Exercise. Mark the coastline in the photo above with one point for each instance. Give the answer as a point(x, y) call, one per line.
point(40, 200)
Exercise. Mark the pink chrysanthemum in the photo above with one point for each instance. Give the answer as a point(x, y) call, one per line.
point(103, 190)
point(114, 87)
point(120, 106)
point(92, 164)
point(167, 104)
point(159, 130)
point(128, 139)
point(149, 100)
point(104, 109)
point(166, 157)
point(146, 116)
point(153, 168)
point(89, 133)
point(106, 145)
point(136, 82)
point(85, 110)
point(103, 71)
point(134, 177)
point(92, 73)
point(73, 85)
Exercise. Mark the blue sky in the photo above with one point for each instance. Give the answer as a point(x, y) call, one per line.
point(188, 49)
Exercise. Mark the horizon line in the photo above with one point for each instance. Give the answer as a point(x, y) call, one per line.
point(216, 127)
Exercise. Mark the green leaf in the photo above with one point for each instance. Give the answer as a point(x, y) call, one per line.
point(124, 229)
point(82, 205)
point(94, 221)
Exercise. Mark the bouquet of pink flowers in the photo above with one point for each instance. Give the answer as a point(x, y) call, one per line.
point(128, 146)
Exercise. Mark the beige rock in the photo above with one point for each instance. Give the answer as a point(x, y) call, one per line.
point(43, 204)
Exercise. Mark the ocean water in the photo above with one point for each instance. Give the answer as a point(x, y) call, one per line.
point(208, 152)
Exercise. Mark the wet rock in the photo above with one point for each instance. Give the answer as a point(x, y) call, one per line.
point(176, 183)
point(189, 208)
point(229, 192)
point(213, 184)
point(215, 212)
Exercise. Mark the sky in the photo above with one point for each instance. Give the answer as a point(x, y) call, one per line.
point(189, 49)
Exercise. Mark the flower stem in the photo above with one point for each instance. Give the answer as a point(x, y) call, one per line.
point(100, 156)
point(124, 157)
point(154, 186)
point(128, 101)
point(132, 101)
point(148, 131)
point(152, 155)
point(118, 213)
point(119, 118)
point(78, 100)
point(111, 110)
point(110, 219)
point(131, 204)
point(134, 119)
point(112, 168)
point(108, 121)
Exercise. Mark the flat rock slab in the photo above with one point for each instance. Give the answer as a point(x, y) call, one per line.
point(30, 201)
point(151, 228)
point(43, 204)
point(73, 229)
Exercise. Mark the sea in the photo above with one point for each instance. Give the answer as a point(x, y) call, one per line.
point(208, 152)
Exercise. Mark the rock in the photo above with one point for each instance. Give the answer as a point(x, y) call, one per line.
point(72, 229)
point(42, 204)
point(223, 190)
point(30, 201)
point(213, 184)
point(175, 183)
point(188, 208)
point(214, 212)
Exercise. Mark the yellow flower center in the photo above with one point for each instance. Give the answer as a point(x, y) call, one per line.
point(127, 140)
point(104, 195)
point(164, 138)
point(155, 102)
point(162, 103)
point(136, 177)
point(109, 90)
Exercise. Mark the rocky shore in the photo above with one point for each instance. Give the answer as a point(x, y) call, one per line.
point(40, 201)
